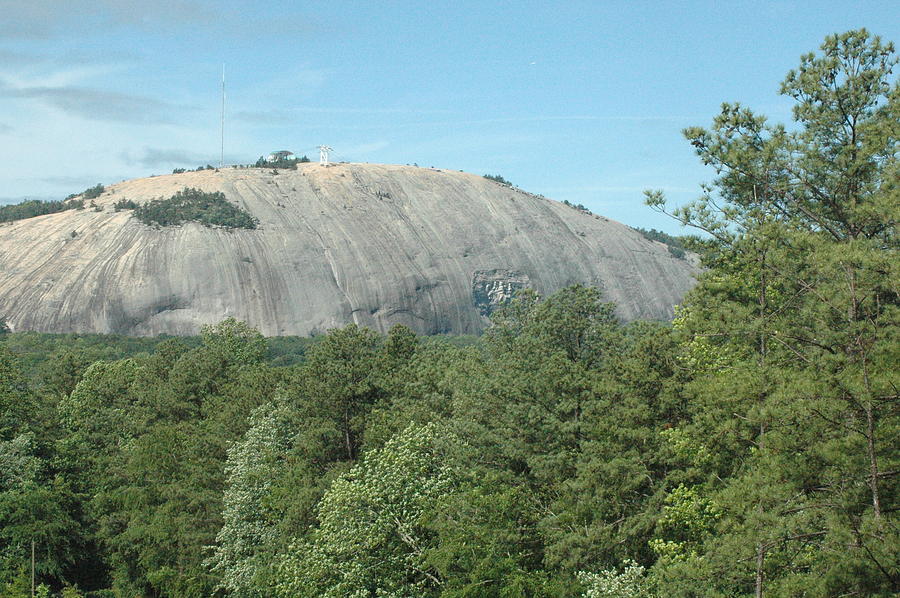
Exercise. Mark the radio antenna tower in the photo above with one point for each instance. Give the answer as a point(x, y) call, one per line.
point(323, 154)
point(222, 155)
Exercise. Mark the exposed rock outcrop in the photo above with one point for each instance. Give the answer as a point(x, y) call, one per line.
point(493, 288)
point(372, 244)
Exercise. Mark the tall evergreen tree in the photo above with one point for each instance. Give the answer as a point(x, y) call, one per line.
point(802, 299)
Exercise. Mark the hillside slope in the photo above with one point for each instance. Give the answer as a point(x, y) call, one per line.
point(371, 244)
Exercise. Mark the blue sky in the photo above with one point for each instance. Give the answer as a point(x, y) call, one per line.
point(579, 101)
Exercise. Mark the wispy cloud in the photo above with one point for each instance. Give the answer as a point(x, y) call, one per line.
point(5, 129)
point(46, 18)
point(27, 20)
point(22, 60)
point(49, 74)
point(150, 157)
point(99, 104)
point(9, 58)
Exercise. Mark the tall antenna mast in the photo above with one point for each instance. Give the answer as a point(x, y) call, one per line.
point(222, 156)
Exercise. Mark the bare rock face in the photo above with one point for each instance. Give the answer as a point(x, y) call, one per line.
point(376, 245)
point(492, 288)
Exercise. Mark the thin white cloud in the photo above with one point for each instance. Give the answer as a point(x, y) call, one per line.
point(150, 157)
point(10, 58)
point(48, 19)
point(72, 75)
point(102, 105)
point(100, 61)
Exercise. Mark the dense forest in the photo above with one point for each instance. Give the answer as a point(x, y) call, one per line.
point(748, 448)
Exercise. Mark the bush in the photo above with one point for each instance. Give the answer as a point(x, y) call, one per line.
point(124, 204)
point(498, 179)
point(578, 206)
point(194, 205)
point(93, 192)
point(674, 244)
point(676, 252)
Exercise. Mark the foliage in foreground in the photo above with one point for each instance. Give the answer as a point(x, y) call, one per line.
point(793, 333)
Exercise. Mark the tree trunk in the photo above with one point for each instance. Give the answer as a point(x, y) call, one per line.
point(761, 441)
point(760, 561)
point(348, 440)
point(873, 460)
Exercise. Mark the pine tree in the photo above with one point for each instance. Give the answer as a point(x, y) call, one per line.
point(801, 297)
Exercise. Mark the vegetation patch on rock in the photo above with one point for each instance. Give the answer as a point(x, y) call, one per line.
point(89, 193)
point(498, 179)
point(194, 205)
point(675, 244)
point(125, 204)
point(285, 163)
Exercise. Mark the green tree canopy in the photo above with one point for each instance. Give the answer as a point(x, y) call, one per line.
point(793, 332)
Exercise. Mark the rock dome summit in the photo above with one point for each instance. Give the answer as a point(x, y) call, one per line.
point(373, 244)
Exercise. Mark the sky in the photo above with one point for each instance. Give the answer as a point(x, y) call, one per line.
point(578, 101)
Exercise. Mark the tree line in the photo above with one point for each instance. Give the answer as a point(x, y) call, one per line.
point(30, 208)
